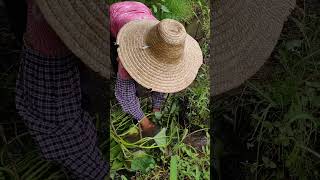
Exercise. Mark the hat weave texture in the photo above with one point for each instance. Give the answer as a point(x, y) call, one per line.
point(244, 33)
point(159, 55)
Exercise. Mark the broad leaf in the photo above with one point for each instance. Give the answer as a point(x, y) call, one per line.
point(158, 115)
point(155, 9)
point(164, 9)
point(114, 152)
point(117, 164)
point(123, 177)
point(142, 162)
point(161, 138)
point(268, 163)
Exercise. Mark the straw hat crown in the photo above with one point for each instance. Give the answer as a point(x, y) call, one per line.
point(159, 55)
point(167, 41)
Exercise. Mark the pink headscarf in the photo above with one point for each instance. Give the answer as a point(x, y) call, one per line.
point(126, 11)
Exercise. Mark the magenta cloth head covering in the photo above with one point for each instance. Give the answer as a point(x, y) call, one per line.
point(126, 11)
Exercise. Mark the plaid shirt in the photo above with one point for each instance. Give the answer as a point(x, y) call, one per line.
point(126, 94)
point(48, 98)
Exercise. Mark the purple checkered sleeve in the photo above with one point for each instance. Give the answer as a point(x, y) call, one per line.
point(125, 92)
point(157, 99)
point(48, 99)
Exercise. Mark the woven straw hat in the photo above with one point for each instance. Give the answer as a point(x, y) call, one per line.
point(159, 55)
point(83, 26)
point(244, 33)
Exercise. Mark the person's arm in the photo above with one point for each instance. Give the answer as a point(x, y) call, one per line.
point(125, 92)
point(157, 100)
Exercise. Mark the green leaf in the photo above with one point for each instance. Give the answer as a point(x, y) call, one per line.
point(272, 165)
point(123, 177)
point(158, 115)
point(173, 108)
point(268, 125)
point(116, 164)
point(174, 168)
point(161, 138)
point(301, 116)
point(139, 154)
point(142, 162)
point(154, 8)
point(268, 163)
point(253, 167)
point(133, 131)
point(114, 152)
point(164, 9)
point(185, 133)
point(188, 151)
point(277, 124)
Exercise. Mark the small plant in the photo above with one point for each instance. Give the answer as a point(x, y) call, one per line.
point(27, 166)
point(148, 157)
point(179, 10)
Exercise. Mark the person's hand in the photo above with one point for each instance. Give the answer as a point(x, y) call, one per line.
point(156, 109)
point(148, 128)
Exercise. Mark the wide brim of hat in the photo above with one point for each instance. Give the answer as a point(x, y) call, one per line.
point(83, 26)
point(244, 34)
point(149, 71)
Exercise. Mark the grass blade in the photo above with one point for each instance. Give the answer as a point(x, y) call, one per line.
point(174, 168)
